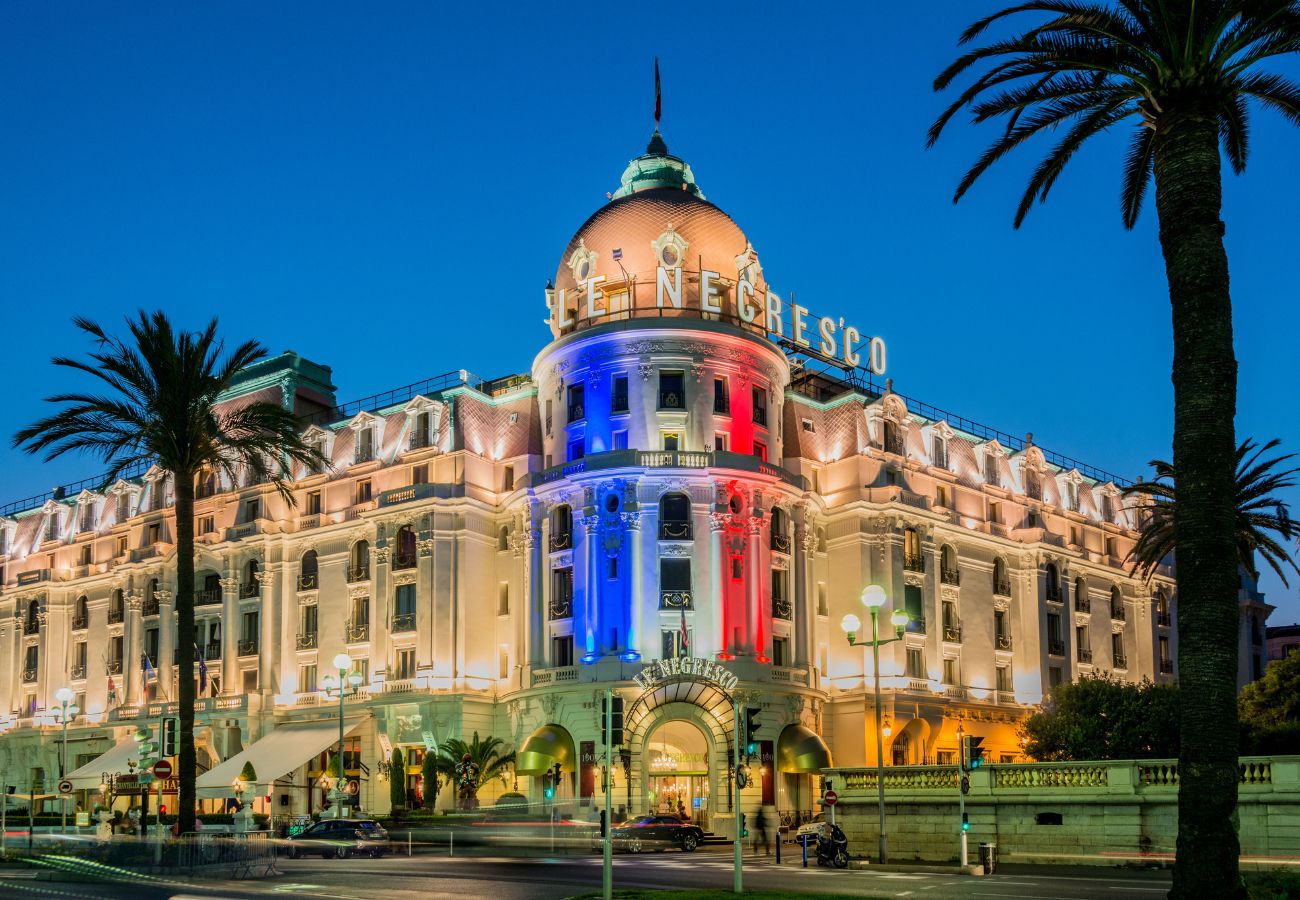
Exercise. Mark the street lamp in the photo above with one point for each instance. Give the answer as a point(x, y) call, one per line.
point(67, 710)
point(873, 598)
point(343, 663)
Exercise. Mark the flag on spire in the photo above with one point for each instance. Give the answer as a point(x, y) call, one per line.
point(659, 108)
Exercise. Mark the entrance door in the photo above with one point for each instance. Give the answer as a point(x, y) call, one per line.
point(678, 767)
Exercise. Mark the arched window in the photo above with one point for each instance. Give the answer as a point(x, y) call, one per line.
point(780, 530)
point(404, 558)
point(1116, 604)
point(116, 607)
point(1163, 615)
point(33, 624)
point(308, 572)
point(561, 527)
point(949, 572)
point(674, 517)
point(913, 561)
point(81, 615)
point(893, 439)
point(359, 562)
point(1082, 603)
point(1053, 581)
point(1033, 485)
point(1001, 581)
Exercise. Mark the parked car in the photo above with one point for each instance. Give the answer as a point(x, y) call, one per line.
point(812, 828)
point(657, 833)
point(339, 839)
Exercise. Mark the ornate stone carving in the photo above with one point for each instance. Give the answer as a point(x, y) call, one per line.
point(780, 561)
point(646, 371)
point(718, 521)
point(358, 590)
point(230, 585)
point(698, 371)
point(164, 596)
point(589, 523)
point(424, 546)
point(914, 579)
point(381, 555)
point(265, 579)
point(133, 600)
point(630, 520)
point(950, 592)
point(808, 541)
point(676, 550)
point(756, 524)
point(404, 576)
point(550, 705)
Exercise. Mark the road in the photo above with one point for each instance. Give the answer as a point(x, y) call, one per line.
point(550, 878)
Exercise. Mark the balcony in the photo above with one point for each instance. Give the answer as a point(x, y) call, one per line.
point(1117, 613)
point(114, 667)
point(308, 581)
point(577, 413)
point(674, 531)
point(1085, 655)
point(950, 576)
point(29, 676)
point(1002, 587)
point(675, 600)
point(249, 589)
point(1054, 593)
point(403, 560)
point(562, 541)
point(952, 633)
point(1004, 642)
point(780, 542)
point(358, 573)
point(211, 597)
point(1056, 648)
point(306, 641)
point(32, 626)
point(782, 608)
point(80, 621)
point(916, 625)
point(1082, 603)
point(671, 400)
point(403, 622)
point(1120, 660)
point(893, 444)
point(212, 650)
point(248, 647)
point(77, 673)
point(116, 616)
point(1167, 666)
point(1006, 697)
point(914, 562)
point(358, 632)
point(149, 607)
point(665, 459)
point(1164, 619)
point(561, 607)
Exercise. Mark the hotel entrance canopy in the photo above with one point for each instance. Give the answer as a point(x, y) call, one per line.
point(801, 750)
point(546, 746)
point(274, 756)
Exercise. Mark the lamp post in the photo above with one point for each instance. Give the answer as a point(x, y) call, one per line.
point(873, 598)
point(67, 710)
point(343, 663)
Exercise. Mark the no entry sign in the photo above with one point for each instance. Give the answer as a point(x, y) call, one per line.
point(162, 769)
point(830, 798)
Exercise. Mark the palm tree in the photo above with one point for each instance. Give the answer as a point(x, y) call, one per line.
point(485, 754)
point(161, 407)
point(1183, 74)
point(1259, 513)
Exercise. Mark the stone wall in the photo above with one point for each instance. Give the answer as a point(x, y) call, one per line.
point(1102, 813)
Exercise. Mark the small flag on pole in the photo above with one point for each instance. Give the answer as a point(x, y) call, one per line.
point(686, 637)
point(112, 692)
point(203, 670)
point(150, 673)
point(658, 97)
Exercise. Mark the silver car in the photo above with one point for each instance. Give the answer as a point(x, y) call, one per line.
point(339, 839)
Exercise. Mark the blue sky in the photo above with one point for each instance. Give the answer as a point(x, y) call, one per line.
point(386, 188)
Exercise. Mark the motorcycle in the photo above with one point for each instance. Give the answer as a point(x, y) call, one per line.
point(832, 847)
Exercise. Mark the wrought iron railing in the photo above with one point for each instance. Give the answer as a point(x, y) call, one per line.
point(358, 632)
point(675, 600)
point(149, 607)
point(950, 576)
point(403, 560)
point(113, 667)
point(1054, 593)
point(210, 597)
point(1082, 603)
point(1002, 587)
point(780, 542)
point(1120, 660)
point(914, 562)
point(249, 589)
point(562, 540)
point(308, 581)
point(248, 647)
point(577, 413)
point(916, 625)
point(1056, 648)
point(29, 676)
point(80, 622)
point(952, 633)
point(76, 673)
point(358, 573)
point(1117, 612)
point(403, 622)
point(1167, 666)
point(1005, 642)
point(1085, 655)
point(307, 640)
point(1164, 619)
point(674, 531)
point(116, 616)
point(782, 608)
point(212, 650)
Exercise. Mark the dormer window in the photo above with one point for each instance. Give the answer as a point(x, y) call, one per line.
point(893, 441)
point(1072, 495)
point(87, 517)
point(991, 469)
point(123, 506)
point(938, 451)
point(52, 526)
point(1033, 485)
point(421, 430)
point(365, 445)
point(158, 494)
point(1107, 507)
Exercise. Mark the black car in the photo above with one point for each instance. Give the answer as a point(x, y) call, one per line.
point(657, 833)
point(339, 839)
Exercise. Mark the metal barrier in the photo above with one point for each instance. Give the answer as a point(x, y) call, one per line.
point(250, 855)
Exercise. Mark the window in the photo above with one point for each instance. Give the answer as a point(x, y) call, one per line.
point(507, 477)
point(365, 445)
point(151, 645)
point(1166, 660)
point(121, 547)
point(720, 441)
point(252, 509)
point(674, 583)
point(307, 621)
point(153, 534)
point(404, 557)
point(207, 525)
point(611, 568)
point(548, 419)
point(79, 656)
point(938, 452)
point(52, 527)
point(562, 650)
point(420, 431)
point(672, 390)
point(672, 440)
point(995, 512)
point(1054, 676)
point(1055, 642)
point(159, 492)
point(1072, 496)
point(420, 475)
point(618, 399)
point(780, 651)
point(674, 646)
point(312, 506)
point(951, 671)
point(503, 599)
point(1003, 675)
point(404, 608)
point(941, 495)
point(561, 527)
point(737, 568)
point(674, 517)
point(991, 469)
point(561, 593)
point(362, 491)
point(1107, 508)
point(308, 572)
point(1001, 629)
point(721, 397)
point(87, 554)
point(405, 664)
point(1052, 582)
point(1117, 650)
point(760, 406)
point(782, 608)
point(577, 449)
point(577, 410)
point(808, 426)
point(760, 450)
point(1082, 603)
point(123, 506)
point(1081, 648)
point(620, 439)
point(307, 679)
point(1001, 580)
point(249, 680)
point(893, 440)
point(916, 663)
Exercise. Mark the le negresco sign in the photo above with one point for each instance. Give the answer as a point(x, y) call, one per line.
point(662, 670)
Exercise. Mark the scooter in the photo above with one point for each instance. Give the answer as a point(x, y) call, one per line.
point(832, 847)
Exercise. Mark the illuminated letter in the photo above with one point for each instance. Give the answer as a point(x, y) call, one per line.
point(827, 328)
point(562, 310)
point(594, 293)
point(797, 313)
point(877, 349)
point(774, 324)
point(673, 289)
point(744, 291)
point(851, 337)
point(708, 292)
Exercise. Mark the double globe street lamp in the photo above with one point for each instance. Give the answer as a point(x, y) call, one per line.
point(345, 678)
point(873, 598)
point(65, 712)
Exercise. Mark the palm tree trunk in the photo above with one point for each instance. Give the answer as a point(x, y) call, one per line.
point(187, 764)
point(1188, 198)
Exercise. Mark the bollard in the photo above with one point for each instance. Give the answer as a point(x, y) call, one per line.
point(451, 843)
point(778, 847)
point(803, 839)
point(408, 843)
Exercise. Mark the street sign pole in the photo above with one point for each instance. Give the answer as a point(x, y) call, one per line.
point(737, 881)
point(607, 849)
point(961, 795)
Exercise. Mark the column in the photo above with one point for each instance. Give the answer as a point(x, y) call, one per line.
point(639, 634)
point(755, 632)
point(273, 589)
point(804, 593)
point(425, 612)
point(227, 665)
point(718, 575)
point(591, 639)
point(379, 606)
point(132, 635)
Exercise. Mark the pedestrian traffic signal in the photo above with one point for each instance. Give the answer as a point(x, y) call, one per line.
point(611, 723)
point(965, 822)
point(171, 736)
point(744, 829)
point(602, 823)
point(548, 786)
point(751, 730)
point(974, 752)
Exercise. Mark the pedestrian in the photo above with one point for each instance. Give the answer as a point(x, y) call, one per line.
point(761, 836)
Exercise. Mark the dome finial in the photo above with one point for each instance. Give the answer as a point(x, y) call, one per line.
point(659, 106)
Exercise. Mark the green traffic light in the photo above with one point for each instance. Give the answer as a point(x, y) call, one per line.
point(965, 826)
point(751, 749)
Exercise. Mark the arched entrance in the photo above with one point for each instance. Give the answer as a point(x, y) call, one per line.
point(676, 756)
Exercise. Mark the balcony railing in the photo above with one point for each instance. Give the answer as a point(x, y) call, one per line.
point(358, 632)
point(577, 413)
point(1164, 619)
point(916, 625)
point(29, 676)
point(1117, 612)
point(32, 626)
point(1053, 593)
point(308, 581)
point(248, 647)
point(780, 542)
point(672, 400)
point(1120, 660)
point(149, 607)
point(675, 600)
point(212, 650)
point(1082, 603)
point(561, 608)
point(782, 608)
point(914, 562)
point(306, 640)
point(403, 622)
point(80, 621)
point(1085, 655)
point(562, 541)
point(76, 673)
point(1056, 648)
point(894, 445)
point(358, 573)
point(210, 597)
point(116, 616)
point(1002, 587)
point(950, 576)
point(1167, 666)
point(674, 531)
point(114, 667)
point(1004, 642)
point(952, 633)
point(403, 560)
point(249, 589)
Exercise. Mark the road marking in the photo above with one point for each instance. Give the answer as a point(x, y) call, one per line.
point(1127, 887)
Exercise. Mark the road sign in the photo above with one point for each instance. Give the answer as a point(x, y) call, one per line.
point(65, 787)
point(830, 798)
point(162, 768)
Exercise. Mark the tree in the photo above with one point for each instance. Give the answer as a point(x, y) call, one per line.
point(1258, 512)
point(397, 782)
point(160, 407)
point(429, 774)
point(1184, 74)
point(1103, 717)
point(485, 760)
point(1270, 710)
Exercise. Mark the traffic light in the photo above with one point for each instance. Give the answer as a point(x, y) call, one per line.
point(171, 736)
point(548, 786)
point(974, 752)
point(613, 737)
point(602, 823)
point(965, 822)
point(965, 784)
point(744, 829)
point(751, 730)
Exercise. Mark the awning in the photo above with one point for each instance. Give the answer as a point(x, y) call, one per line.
point(800, 749)
point(90, 776)
point(277, 754)
point(545, 747)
